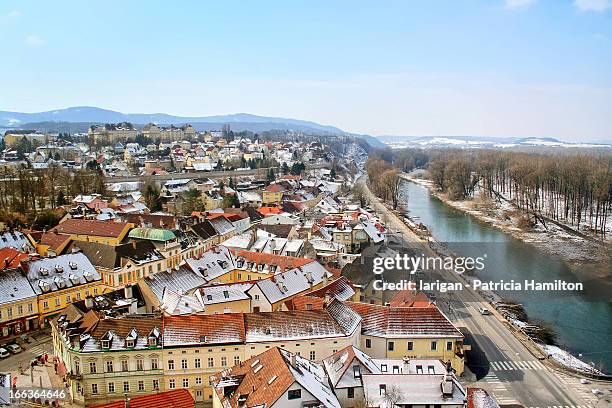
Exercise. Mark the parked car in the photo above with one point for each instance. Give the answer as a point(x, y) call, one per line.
point(14, 348)
point(484, 311)
point(4, 353)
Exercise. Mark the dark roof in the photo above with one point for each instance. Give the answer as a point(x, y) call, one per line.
point(91, 227)
point(101, 255)
point(156, 220)
point(204, 229)
point(138, 250)
point(280, 230)
point(254, 215)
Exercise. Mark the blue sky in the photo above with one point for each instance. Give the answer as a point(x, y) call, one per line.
point(498, 68)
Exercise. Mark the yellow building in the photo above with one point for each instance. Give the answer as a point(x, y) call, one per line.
point(13, 137)
point(197, 346)
point(107, 359)
point(212, 200)
point(273, 194)
point(113, 132)
point(18, 305)
point(62, 280)
point(104, 232)
point(417, 332)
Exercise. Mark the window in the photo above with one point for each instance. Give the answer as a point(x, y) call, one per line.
point(390, 346)
point(170, 364)
point(382, 389)
point(57, 303)
point(140, 364)
point(109, 366)
point(312, 356)
point(125, 365)
point(184, 364)
point(431, 369)
point(77, 367)
point(357, 371)
point(256, 297)
point(434, 345)
point(185, 382)
point(396, 369)
point(449, 345)
point(294, 394)
point(111, 387)
point(30, 307)
point(211, 362)
point(126, 386)
point(92, 367)
point(78, 295)
point(236, 360)
point(383, 368)
point(68, 299)
point(154, 364)
point(410, 346)
point(198, 380)
point(94, 388)
point(419, 369)
point(20, 309)
point(197, 363)
point(156, 384)
point(105, 344)
point(368, 343)
point(46, 306)
point(172, 384)
point(141, 386)
point(350, 392)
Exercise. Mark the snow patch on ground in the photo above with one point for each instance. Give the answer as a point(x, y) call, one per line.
point(565, 358)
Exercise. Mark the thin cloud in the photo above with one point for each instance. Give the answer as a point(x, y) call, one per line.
point(598, 6)
point(13, 14)
point(518, 4)
point(33, 40)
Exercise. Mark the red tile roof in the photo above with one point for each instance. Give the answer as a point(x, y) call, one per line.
point(109, 229)
point(407, 298)
point(11, 258)
point(170, 399)
point(265, 211)
point(263, 387)
point(53, 239)
point(275, 188)
point(301, 302)
point(399, 322)
point(204, 329)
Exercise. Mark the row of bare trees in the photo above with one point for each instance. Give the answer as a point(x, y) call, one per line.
point(569, 188)
point(27, 191)
point(384, 180)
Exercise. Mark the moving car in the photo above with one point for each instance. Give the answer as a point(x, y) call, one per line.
point(484, 311)
point(4, 353)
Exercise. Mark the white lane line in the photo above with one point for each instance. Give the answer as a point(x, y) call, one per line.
point(494, 365)
point(521, 365)
point(512, 365)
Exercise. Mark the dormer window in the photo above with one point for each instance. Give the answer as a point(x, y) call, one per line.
point(383, 368)
point(152, 341)
point(105, 344)
point(43, 271)
point(129, 343)
point(73, 265)
point(357, 371)
point(59, 268)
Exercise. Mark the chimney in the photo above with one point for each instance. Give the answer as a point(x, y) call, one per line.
point(127, 292)
point(133, 307)
point(293, 360)
point(88, 302)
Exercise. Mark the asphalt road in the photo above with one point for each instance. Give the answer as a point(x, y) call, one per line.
point(500, 362)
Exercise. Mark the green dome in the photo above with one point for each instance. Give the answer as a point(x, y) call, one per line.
point(153, 234)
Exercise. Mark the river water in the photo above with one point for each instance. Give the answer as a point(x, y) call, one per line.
point(582, 320)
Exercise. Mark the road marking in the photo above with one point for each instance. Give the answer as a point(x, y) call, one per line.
point(495, 366)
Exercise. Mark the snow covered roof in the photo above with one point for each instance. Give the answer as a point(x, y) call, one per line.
point(65, 271)
point(284, 285)
point(213, 263)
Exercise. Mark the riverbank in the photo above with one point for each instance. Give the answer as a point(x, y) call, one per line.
point(576, 249)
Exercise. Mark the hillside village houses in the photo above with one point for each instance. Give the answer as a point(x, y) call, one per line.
point(216, 280)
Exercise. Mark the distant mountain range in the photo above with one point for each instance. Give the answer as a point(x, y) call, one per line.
point(88, 114)
point(481, 142)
